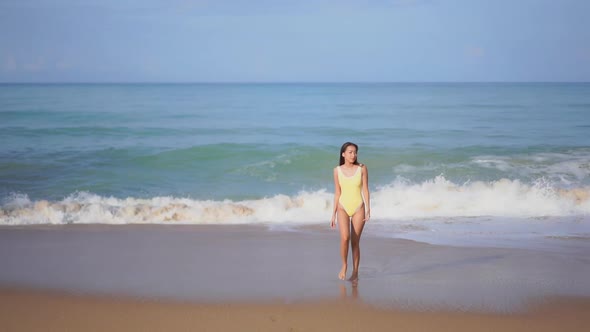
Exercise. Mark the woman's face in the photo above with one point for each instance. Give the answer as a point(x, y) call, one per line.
point(350, 154)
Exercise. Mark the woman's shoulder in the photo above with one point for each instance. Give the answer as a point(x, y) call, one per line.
point(364, 168)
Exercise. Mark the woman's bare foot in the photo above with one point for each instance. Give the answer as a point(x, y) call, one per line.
point(342, 274)
point(354, 276)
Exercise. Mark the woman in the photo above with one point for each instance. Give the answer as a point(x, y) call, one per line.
point(352, 207)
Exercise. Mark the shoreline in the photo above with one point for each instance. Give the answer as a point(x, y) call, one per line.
point(557, 234)
point(42, 310)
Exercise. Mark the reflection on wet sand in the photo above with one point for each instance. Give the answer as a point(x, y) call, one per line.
point(354, 290)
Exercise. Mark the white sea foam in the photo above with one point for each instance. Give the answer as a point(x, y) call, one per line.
point(401, 199)
point(507, 198)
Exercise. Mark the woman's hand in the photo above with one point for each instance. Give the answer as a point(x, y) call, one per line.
point(333, 222)
point(367, 215)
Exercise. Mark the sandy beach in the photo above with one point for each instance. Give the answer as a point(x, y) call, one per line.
point(180, 277)
point(22, 310)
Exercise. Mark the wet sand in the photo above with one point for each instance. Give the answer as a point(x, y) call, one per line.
point(22, 310)
point(173, 277)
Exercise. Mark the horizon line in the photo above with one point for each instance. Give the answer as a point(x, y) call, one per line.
point(281, 82)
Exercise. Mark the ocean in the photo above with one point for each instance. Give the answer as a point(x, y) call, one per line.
point(487, 163)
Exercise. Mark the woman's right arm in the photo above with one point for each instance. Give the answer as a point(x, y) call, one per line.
point(336, 198)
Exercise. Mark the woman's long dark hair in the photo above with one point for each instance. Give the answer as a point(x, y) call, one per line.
point(343, 148)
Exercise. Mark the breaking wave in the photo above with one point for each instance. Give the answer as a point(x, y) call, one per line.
point(401, 199)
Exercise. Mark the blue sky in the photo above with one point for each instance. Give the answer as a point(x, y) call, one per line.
point(294, 41)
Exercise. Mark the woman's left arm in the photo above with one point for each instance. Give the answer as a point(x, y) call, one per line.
point(366, 194)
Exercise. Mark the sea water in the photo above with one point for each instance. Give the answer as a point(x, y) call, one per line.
point(446, 161)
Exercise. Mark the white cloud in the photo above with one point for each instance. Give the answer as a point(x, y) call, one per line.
point(475, 51)
point(9, 64)
point(35, 66)
point(64, 64)
point(584, 54)
point(272, 7)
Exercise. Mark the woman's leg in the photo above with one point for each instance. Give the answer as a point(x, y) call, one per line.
point(344, 226)
point(358, 223)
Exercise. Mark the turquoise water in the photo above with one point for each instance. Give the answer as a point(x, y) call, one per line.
point(226, 153)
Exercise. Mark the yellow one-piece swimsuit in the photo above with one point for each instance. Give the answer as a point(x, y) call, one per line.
point(351, 197)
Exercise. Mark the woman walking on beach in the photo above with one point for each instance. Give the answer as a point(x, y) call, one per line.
point(352, 206)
